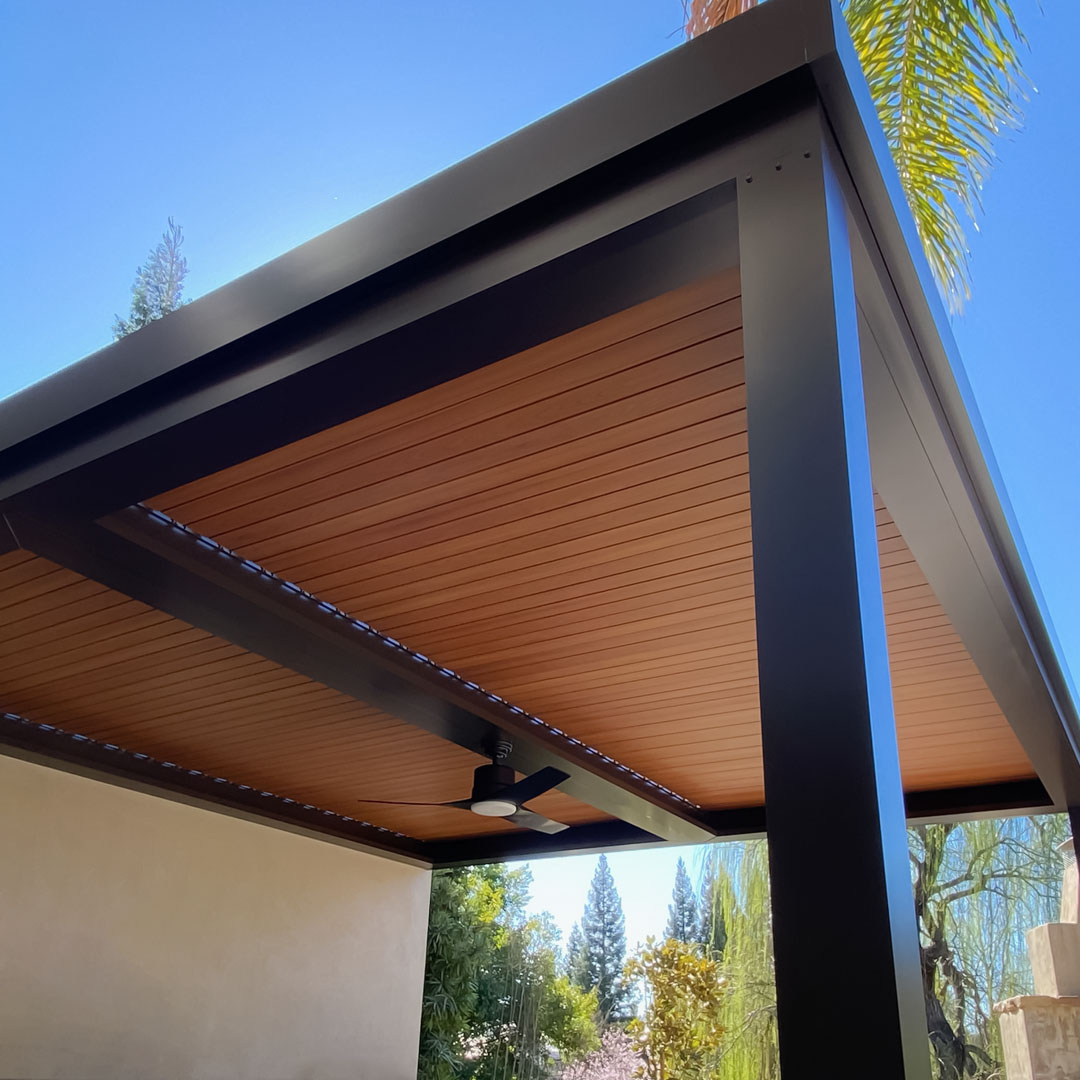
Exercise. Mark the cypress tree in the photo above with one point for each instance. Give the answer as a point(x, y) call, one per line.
point(712, 930)
point(603, 933)
point(683, 923)
point(159, 284)
point(575, 957)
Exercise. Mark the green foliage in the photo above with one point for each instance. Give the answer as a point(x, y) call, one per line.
point(979, 885)
point(527, 1008)
point(735, 877)
point(495, 1005)
point(712, 931)
point(679, 1034)
point(599, 962)
point(576, 966)
point(568, 1017)
point(462, 939)
point(683, 923)
point(946, 78)
point(159, 284)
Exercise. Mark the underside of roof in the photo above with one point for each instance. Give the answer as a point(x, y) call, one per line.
point(354, 596)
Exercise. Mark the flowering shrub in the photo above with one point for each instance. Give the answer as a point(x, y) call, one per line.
point(615, 1060)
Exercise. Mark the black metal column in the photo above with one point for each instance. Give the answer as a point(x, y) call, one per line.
point(847, 963)
point(1074, 827)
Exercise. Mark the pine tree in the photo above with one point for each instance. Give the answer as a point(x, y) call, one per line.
point(575, 957)
point(159, 284)
point(603, 933)
point(682, 924)
point(712, 930)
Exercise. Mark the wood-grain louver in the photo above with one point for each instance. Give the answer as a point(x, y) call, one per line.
point(568, 527)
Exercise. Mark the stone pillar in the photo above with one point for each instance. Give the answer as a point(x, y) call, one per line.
point(1070, 885)
point(1040, 1032)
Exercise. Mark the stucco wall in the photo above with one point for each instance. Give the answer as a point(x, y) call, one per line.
point(144, 938)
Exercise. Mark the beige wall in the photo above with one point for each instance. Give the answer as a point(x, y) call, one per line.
point(145, 938)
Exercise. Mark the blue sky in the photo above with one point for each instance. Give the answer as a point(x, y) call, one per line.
point(258, 125)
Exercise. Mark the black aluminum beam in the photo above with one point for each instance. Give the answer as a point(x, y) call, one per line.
point(50, 746)
point(187, 577)
point(926, 483)
point(570, 219)
point(933, 463)
point(106, 761)
point(740, 823)
point(503, 847)
point(575, 159)
point(1009, 798)
point(8, 541)
point(516, 284)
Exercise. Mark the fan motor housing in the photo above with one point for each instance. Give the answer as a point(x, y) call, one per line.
point(489, 780)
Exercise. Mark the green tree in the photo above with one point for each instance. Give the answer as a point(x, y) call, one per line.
point(711, 932)
point(159, 283)
point(679, 1035)
point(495, 1005)
point(979, 885)
point(736, 880)
point(575, 956)
point(603, 952)
point(683, 923)
point(946, 78)
point(461, 939)
point(526, 1008)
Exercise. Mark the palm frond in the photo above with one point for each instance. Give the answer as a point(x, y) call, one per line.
point(947, 79)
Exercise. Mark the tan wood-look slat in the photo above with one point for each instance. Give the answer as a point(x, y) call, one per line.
point(89, 660)
point(570, 527)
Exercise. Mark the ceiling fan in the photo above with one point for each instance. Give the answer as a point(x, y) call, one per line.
point(496, 794)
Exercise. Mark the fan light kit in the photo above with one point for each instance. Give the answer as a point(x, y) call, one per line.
point(494, 808)
point(495, 793)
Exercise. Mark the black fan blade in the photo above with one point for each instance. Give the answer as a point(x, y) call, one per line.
point(537, 822)
point(525, 790)
point(461, 804)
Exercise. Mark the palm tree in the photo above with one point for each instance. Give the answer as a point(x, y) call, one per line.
point(947, 80)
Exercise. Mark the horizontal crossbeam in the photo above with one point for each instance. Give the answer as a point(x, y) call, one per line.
point(146, 556)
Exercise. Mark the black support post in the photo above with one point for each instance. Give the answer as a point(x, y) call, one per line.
point(834, 804)
point(1074, 820)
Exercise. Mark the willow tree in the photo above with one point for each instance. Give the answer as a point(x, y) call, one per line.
point(736, 883)
point(946, 78)
point(977, 887)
